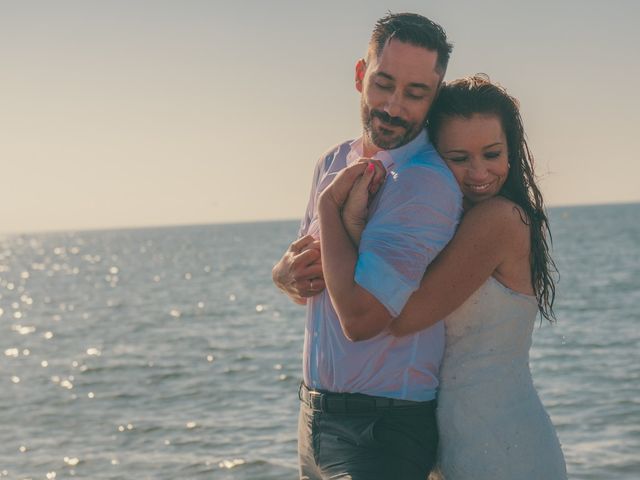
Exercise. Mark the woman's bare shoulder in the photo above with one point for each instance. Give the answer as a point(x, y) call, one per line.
point(500, 214)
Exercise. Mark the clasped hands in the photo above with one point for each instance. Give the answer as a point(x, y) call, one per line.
point(299, 271)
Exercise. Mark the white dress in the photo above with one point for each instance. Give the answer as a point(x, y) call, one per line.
point(491, 421)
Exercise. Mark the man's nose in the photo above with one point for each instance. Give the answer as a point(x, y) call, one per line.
point(393, 105)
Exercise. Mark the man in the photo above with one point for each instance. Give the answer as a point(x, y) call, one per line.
point(367, 409)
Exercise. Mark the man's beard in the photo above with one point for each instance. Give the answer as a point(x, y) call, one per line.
point(380, 140)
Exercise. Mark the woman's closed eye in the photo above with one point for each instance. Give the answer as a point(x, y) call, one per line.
point(414, 96)
point(493, 154)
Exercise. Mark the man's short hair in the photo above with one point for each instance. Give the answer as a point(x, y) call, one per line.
point(413, 29)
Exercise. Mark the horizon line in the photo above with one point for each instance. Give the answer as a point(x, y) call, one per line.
point(239, 222)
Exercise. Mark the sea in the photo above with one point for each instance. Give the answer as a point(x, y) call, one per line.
point(167, 353)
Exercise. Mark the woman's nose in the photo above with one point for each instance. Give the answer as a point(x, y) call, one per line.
point(477, 173)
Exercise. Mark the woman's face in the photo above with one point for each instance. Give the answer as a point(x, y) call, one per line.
point(475, 149)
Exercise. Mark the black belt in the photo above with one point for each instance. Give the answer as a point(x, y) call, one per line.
point(329, 402)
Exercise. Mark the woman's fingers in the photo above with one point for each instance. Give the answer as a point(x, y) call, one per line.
point(379, 173)
point(336, 193)
point(363, 183)
point(353, 172)
point(368, 170)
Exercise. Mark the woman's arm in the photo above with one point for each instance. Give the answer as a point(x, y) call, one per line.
point(358, 310)
point(489, 233)
point(356, 207)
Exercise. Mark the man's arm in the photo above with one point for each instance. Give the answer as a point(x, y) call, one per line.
point(417, 215)
point(299, 272)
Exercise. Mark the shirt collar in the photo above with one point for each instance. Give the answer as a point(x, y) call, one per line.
point(391, 159)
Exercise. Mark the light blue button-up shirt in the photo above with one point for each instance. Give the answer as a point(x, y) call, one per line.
point(411, 219)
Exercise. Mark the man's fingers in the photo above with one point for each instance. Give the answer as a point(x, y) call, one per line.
point(306, 258)
point(302, 242)
point(312, 271)
point(299, 300)
point(299, 271)
point(315, 245)
point(309, 287)
point(317, 285)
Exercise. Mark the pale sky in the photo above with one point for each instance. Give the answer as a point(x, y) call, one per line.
point(139, 113)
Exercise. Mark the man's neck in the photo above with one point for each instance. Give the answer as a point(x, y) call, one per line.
point(368, 147)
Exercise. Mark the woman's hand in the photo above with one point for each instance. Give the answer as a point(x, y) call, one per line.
point(355, 210)
point(351, 191)
point(337, 192)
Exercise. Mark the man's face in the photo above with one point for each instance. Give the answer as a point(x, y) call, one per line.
point(397, 90)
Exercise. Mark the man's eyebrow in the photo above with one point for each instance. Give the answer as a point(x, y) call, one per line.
point(422, 86)
point(385, 75)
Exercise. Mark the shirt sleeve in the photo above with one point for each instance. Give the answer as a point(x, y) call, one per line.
point(322, 166)
point(417, 214)
point(308, 215)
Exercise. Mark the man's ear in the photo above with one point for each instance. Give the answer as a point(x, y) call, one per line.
point(361, 68)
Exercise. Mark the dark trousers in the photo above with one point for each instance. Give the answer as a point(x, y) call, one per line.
point(398, 443)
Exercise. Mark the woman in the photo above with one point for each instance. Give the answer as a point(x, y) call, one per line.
point(489, 282)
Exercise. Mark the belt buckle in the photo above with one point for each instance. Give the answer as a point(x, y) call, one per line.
point(317, 401)
point(311, 398)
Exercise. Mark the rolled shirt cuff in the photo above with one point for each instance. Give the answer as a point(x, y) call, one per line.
point(383, 282)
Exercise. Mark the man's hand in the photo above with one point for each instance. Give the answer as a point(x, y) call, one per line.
point(299, 271)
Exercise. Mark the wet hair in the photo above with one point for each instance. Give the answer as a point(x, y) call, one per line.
point(413, 29)
point(477, 95)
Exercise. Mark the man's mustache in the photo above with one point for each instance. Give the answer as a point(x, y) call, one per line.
point(385, 117)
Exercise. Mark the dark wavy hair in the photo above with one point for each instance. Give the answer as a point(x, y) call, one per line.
point(477, 95)
point(415, 30)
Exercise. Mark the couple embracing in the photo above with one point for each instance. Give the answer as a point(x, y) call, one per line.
point(423, 263)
